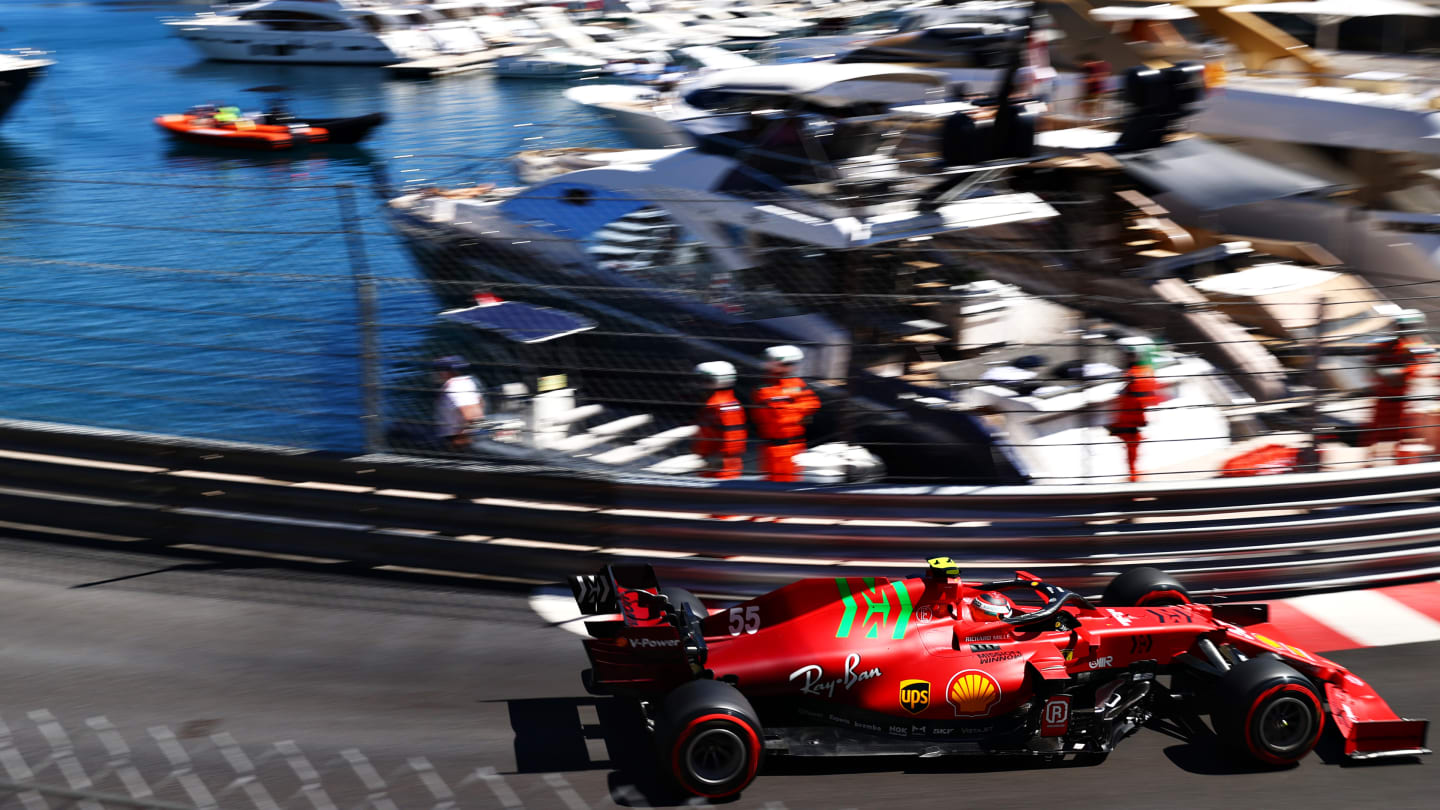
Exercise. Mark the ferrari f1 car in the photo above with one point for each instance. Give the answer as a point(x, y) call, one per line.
point(935, 666)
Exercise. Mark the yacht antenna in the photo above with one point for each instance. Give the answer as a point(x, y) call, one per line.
point(1003, 114)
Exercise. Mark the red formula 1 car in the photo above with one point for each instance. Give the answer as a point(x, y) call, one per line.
point(935, 666)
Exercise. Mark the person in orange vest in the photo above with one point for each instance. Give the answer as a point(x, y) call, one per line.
point(1397, 362)
point(1141, 393)
point(721, 440)
point(783, 407)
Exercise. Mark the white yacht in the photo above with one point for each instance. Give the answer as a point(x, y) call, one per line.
point(1374, 133)
point(650, 119)
point(549, 63)
point(326, 32)
point(17, 70)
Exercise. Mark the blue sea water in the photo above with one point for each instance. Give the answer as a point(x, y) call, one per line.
point(154, 287)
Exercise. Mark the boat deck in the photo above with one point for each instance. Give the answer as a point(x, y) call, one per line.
point(451, 63)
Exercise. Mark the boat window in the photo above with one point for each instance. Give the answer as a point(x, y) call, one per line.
point(575, 196)
point(293, 21)
point(648, 248)
point(373, 23)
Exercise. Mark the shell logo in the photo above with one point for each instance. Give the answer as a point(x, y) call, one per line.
point(973, 693)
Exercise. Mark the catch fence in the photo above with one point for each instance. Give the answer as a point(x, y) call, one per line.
point(307, 315)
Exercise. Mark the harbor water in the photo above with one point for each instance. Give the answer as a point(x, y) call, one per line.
point(157, 287)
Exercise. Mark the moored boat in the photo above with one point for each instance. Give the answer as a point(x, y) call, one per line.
point(267, 132)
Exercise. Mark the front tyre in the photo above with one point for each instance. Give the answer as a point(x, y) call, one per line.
point(1267, 711)
point(709, 739)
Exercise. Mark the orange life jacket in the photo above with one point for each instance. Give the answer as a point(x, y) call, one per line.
point(1141, 392)
point(722, 426)
point(782, 409)
point(1395, 367)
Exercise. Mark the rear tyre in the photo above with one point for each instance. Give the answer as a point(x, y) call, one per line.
point(1268, 712)
point(1144, 587)
point(709, 739)
point(680, 596)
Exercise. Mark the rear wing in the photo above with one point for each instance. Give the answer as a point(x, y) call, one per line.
point(633, 591)
point(600, 592)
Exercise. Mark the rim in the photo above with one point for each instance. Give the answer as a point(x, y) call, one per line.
point(715, 756)
point(1285, 724)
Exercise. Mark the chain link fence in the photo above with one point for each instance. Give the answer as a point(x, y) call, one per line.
point(310, 315)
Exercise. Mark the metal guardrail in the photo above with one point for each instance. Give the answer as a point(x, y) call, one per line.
point(1247, 536)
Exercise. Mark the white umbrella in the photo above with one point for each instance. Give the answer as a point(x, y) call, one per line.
point(1328, 14)
point(1163, 11)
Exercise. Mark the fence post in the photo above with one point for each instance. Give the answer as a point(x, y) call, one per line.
point(366, 311)
point(1308, 459)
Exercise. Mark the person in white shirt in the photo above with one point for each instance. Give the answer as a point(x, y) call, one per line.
point(458, 405)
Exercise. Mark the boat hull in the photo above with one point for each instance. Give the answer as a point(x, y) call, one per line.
point(270, 138)
point(14, 82)
point(337, 48)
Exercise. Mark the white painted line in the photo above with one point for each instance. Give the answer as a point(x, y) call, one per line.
point(18, 771)
point(304, 771)
point(511, 541)
point(444, 796)
point(750, 558)
point(544, 505)
point(416, 494)
point(364, 771)
point(119, 753)
point(646, 552)
point(63, 754)
point(246, 780)
point(79, 462)
point(1369, 617)
point(497, 785)
point(332, 487)
point(183, 772)
point(231, 477)
point(435, 572)
point(566, 793)
point(30, 527)
point(245, 552)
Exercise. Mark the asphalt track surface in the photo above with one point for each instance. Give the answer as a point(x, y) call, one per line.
point(236, 683)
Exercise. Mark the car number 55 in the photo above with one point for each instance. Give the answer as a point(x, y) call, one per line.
point(745, 621)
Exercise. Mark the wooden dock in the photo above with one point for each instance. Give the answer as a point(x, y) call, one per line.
point(451, 63)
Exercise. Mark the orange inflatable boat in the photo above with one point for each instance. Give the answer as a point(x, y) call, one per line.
point(267, 132)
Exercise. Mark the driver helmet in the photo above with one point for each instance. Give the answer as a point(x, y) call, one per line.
point(991, 605)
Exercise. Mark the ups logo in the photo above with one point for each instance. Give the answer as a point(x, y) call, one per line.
point(915, 696)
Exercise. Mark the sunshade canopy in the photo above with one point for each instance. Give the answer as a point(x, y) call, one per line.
point(1201, 175)
point(520, 322)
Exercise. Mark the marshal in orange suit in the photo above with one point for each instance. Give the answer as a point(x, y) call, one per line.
point(783, 407)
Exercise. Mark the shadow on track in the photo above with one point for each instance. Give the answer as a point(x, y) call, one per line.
point(551, 736)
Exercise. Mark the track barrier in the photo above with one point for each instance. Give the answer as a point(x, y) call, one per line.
point(1235, 536)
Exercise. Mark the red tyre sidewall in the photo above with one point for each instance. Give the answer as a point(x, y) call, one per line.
point(1265, 756)
point(1154, 598)
point(689, 730)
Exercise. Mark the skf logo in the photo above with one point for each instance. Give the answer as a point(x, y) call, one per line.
point(915, 696)
point(973, 693)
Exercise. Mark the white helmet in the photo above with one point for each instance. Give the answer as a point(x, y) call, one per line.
point(787, 355)
point(1409, 322)
point(720, 374)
